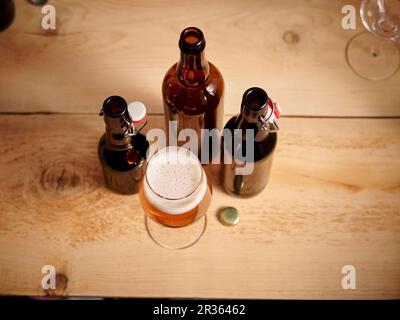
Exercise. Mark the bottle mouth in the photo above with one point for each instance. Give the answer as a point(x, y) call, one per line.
point(255, 98)
point(192, 40)
point(115, 106)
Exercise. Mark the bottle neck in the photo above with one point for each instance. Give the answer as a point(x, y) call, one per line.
point(117, 120)
point(193, 69)
point(245, 122)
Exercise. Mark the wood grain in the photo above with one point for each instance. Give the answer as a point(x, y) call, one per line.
point(294, 49)
point(333, 200)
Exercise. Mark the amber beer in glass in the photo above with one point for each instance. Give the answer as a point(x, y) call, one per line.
point(175, 191)
point(193, 88)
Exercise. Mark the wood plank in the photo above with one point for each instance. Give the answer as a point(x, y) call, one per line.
point(294, 49)
point(333, 200)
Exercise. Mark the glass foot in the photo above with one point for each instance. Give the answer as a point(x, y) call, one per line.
point(372, 58)
point(176, 238)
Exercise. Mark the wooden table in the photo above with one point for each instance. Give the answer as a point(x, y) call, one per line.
point(333, 198)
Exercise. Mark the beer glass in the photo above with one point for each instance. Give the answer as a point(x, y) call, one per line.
point(175, 195)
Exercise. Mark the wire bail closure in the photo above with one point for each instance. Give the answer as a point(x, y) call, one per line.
point(268, 122)
point(131, 129)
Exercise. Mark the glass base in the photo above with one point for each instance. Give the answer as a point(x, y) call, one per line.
point(371, 57)
point(176, 238)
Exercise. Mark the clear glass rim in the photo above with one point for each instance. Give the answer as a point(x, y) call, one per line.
point(180, 198)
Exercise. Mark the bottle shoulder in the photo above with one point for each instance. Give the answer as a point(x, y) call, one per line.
point(230, 125)
point(123, 158)
point(214, 80)
point(216, 74)
point(261, 148)
point(139, 142)
point(205, 99)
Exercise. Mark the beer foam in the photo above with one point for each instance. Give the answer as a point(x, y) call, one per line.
point(175, 181)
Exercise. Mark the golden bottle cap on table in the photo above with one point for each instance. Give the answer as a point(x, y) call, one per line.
point(229, 216)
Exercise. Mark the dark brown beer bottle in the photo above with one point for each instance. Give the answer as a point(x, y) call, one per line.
point(258, 113)
point(7, 13)
point(122, 149)
point(193, 88)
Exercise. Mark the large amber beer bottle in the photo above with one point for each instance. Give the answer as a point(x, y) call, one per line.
point(193, 89)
